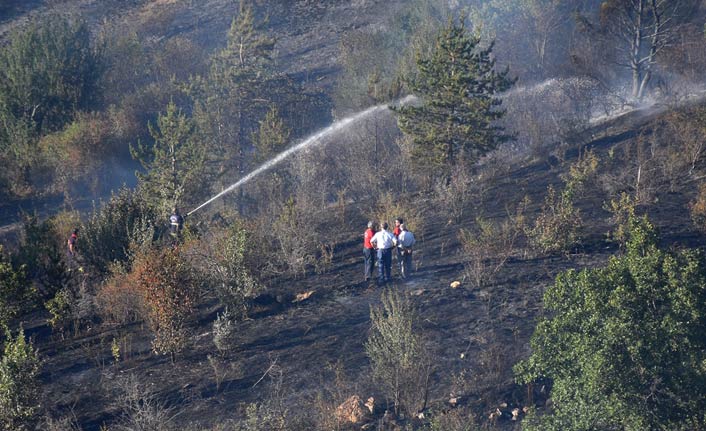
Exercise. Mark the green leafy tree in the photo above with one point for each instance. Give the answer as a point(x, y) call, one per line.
point(624, 345)
point(14, 289)
point(174, 164)
point(19, 385)
point(457, 118)
point(50, 70)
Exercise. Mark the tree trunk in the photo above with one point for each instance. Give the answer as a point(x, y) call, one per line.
point(635, 63)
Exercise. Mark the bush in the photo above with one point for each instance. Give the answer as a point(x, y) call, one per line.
point(169, 290)
point(556, 228)
point(118, 300)
point(50, 71)
point(400, 362)
point(622, 210)
point(75, 155)
point(455, 194)
point(110, 234)
point(296, 246)
point(140, 408)
point(42, 253)
point(487, 247)
point(227, 264)
point(19, 385)
point(389, 207)
point(60, 308)
point(697, 209)
point(224, 332)
point(15, 290)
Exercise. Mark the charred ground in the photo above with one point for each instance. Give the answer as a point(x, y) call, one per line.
point(293, 351)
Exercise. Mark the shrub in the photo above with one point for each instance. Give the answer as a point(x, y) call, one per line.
point(19, 385)
point(697, 208)
point(389, 207)
point(15, 290)
point(622, 210)
point(224, 332)
point(169, 291)
point(75, 154)
point(487, 247)
point(227, 263)
point(455, 194)
point(118, 300)
point(126, 221)
point(397, 353)
point(263, 417)
point(41, 251)
point(453, 420)
point(140, 408)
point(556, 227)
point(297, 246)
point(60, 308)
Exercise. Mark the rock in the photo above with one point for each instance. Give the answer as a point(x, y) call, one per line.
point(352, 411)
point(420, 415)
point(503, 405)
point(303, 296)
point(453, 401)
point(455, 284)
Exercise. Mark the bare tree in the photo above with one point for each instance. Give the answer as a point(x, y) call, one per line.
point(641, 29)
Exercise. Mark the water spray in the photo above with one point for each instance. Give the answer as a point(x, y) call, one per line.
point(308, 142)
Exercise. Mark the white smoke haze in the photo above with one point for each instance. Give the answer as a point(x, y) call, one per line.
point(318, 138)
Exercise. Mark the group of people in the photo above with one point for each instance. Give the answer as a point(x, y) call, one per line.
point(380, 245)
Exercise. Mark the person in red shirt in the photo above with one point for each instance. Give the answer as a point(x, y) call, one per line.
point(368, 251)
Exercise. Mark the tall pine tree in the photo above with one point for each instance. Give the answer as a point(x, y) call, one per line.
point(231, 100)
point(456, 120)
point(174, 164)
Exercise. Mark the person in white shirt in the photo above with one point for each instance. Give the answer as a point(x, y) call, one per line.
point(405, 241)
point(384, 241)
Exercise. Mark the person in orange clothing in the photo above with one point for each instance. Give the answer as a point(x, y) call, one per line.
point(368, 251)
point(396, 233)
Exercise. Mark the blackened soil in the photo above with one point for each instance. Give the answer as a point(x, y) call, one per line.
point(475, 332)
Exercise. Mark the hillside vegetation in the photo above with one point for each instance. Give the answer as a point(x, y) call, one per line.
point(548, 157)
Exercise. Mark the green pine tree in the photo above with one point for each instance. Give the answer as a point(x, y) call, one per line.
point(231, 100)
point(174, 164)
point(272, 136)
point(456, 121)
